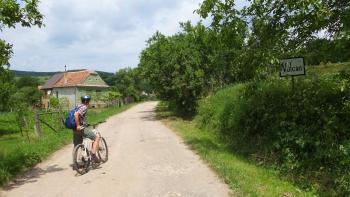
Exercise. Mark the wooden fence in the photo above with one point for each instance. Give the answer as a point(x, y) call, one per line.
point(120, 102)
point(54, 119)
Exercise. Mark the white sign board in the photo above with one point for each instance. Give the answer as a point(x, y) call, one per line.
point(292, 67)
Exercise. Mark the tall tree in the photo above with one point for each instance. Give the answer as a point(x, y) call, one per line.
point(279, 28)
point(125, 81)
point(12, 13)
point(180, 68)
point(28, 81)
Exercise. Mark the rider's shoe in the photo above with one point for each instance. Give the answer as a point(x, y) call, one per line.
point(95, 159)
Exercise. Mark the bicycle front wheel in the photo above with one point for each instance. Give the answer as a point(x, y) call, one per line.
point(81, 159)
point(103, 150)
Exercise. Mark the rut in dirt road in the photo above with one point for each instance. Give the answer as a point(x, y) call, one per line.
point(145, 159)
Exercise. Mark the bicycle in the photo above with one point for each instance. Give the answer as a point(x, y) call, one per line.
point(82, 153)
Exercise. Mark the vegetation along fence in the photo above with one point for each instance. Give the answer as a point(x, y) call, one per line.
point(54, 120)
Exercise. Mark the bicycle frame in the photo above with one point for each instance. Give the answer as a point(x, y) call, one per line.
point(85, 157)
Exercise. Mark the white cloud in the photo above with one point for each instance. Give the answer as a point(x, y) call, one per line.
point(101, 35)
point(167, 20)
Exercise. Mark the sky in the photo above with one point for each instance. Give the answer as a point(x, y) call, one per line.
point(103, 35)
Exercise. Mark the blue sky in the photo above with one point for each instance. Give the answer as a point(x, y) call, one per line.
point(103, 35)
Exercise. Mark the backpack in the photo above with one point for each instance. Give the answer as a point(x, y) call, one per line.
point(70, 120)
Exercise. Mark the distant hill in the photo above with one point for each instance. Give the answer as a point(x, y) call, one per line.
point(106, 76)
point(19, 73)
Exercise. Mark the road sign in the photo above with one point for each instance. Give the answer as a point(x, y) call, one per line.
point(292, 67)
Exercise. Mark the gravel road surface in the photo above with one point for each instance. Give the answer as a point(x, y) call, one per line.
point(145, 159)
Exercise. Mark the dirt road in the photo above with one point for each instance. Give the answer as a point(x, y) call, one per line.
point(145, 159)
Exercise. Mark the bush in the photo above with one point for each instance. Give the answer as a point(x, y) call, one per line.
point(302, 132)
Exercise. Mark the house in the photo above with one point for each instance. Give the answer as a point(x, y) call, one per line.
point(70, 86)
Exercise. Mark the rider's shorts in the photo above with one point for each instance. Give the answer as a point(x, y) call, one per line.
point(86, 133)
point(89, 133)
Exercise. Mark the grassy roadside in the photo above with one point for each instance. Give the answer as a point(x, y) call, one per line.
point(245, 178)
point(327, 68)
point(17, 154)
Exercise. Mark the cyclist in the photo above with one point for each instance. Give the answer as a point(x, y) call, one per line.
point(82, 130)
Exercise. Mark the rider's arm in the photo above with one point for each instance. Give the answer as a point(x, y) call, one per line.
point(76, 118)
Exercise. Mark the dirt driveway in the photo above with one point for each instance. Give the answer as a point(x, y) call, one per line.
point(145, 159)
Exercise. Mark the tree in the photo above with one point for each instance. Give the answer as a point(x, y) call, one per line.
point(7, 88)
point(297, 21)
point(12, 13)
point(238, 46)
point(27, 81)
point(111, 96)
point(180, 68)
point(28, 95)
point(324, 50)
point(109, 78)
point(125, 82)
point(278, 28)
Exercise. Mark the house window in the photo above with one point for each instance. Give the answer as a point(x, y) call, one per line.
point(56, 94)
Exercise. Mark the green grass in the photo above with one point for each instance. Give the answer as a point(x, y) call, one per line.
point(327, 68)
point(17, 154)
point(244, 177)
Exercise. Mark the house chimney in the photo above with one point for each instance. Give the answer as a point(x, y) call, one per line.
point(64, 75)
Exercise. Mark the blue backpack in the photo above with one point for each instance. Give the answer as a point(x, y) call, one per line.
point(70, 120)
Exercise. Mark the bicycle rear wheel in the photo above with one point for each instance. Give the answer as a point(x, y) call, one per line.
point(103, 150)
point(81, 159)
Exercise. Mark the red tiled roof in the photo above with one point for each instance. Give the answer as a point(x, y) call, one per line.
point(69, 79)
point(73, 78)
point(52, 81)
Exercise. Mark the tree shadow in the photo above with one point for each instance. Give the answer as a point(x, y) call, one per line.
point(32, 176)
point(165, 112)
point(7, 131)
point(149, 117)
point(156, 117)
point(147, 111)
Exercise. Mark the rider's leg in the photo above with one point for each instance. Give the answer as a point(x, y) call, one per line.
point(77, 137)
point(95, 144)
point(89, 133)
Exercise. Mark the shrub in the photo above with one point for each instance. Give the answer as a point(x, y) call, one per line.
point(302, 132)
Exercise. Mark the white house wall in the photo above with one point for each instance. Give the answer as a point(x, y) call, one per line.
point(66, 92)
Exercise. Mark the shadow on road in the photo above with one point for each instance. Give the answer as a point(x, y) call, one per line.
point(157, 114)
point(147, 111)
point(149, 117)
point(32, 176)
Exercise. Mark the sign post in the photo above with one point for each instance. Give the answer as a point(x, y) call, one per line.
point(292, 67)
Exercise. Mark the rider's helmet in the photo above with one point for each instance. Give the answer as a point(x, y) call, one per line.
point(85, 99)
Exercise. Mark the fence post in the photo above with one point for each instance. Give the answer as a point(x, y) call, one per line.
point(60, 120)
point(37, 124)
point(26, 127)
